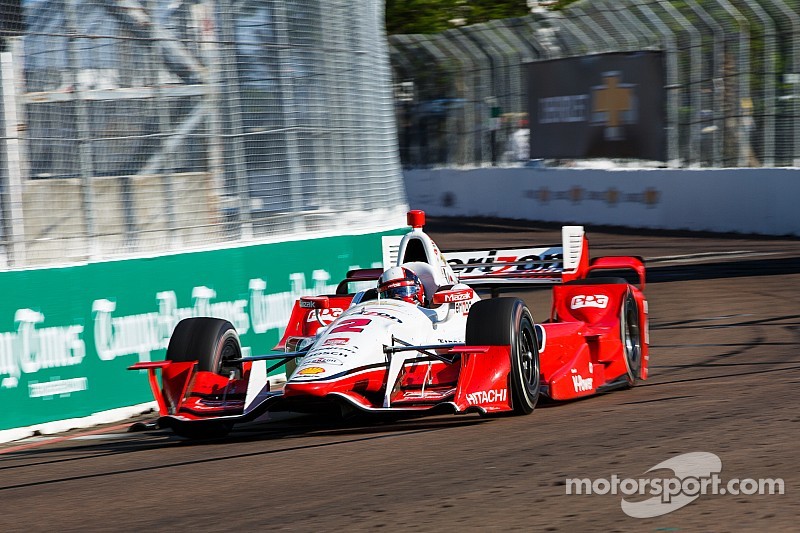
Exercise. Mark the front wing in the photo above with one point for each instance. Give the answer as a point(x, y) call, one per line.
point(185, 394)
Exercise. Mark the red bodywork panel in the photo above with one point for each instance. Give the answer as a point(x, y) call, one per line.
point(619, 263)
point(185, 392)
point(583, 347)
point(303, 321)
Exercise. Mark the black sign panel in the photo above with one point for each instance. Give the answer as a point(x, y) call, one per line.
point(604, 105)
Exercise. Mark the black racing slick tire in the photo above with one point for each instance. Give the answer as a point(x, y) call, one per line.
point(631, 336)
point(508, 321)
point(212, 342)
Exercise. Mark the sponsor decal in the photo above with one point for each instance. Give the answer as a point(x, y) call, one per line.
point(338, 351)
point(650, 197)
point(463, 307)
point(614, 105)
point(535, 260)
point(58, 387)
point(381, 314)
point(30, 349)
point(310, 371)
point(580, 383)
point(323, 361)
point(487, 396)
point(326, 316)
point(335, 341)
point(147, 332)
point(458, 296)
point(351, 325)
point(599, 301)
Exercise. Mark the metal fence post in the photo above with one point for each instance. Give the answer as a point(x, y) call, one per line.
point(13, 224)
point(85, 151)
point(672, 81)
point(693, 144)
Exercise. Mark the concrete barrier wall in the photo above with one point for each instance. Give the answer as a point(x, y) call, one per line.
point(68, 334)
point(754, 201)
point(55, 222)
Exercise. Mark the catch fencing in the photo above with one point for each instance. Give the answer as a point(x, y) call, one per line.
point(732, 79)
point(135, 127)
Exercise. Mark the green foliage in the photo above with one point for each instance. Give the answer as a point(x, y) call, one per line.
point(561, 4)
point(433, 16)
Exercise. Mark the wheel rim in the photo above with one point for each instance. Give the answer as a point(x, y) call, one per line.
point(229, 351)
point(529, 364)
point(633, 343)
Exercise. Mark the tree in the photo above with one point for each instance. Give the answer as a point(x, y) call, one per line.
point(433, 16)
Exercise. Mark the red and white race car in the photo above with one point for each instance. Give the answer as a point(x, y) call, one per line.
point(458, 353)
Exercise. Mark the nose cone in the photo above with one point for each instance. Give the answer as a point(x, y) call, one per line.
point(313, 389)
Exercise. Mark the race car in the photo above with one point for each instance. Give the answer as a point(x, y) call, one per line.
point(418, 338)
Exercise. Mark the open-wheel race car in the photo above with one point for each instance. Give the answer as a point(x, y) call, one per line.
point(418, 339)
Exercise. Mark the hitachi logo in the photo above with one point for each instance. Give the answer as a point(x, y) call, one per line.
point(487, 396)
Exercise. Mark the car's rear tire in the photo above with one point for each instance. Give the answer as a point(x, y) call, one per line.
point(631, 335)
point(213, 343)
point(507, 321)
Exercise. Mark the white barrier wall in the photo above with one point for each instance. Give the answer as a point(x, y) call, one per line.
point(760, 201)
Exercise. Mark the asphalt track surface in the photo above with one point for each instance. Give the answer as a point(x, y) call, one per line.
point(725, 371)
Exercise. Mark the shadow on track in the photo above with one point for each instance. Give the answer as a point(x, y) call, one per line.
point(724, 270)
point(307, 426)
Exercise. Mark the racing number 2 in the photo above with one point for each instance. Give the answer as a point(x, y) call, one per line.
point(351, 325)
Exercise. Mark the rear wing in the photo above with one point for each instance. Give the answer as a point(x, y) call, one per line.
point(524, 266)
point(503, 266)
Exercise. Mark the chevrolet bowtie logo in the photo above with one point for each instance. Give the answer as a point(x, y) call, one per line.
point(613, 104)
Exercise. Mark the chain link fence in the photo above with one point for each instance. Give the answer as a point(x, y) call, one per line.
point(137, 127)
point(732, 79)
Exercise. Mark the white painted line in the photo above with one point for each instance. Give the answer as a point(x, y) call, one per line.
point(706, 256)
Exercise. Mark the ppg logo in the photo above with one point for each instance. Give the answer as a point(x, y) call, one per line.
point(580, 301)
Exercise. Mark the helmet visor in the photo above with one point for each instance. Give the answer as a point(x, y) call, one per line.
point(400, 293)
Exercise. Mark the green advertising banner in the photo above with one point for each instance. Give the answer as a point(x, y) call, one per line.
point(67, 335)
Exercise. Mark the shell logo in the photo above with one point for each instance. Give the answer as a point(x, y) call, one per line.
point(310, 371)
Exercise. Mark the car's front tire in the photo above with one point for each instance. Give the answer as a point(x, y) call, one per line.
point(508, 321)
point(213, 343)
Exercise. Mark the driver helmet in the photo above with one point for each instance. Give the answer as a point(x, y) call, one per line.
point(400, 283)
